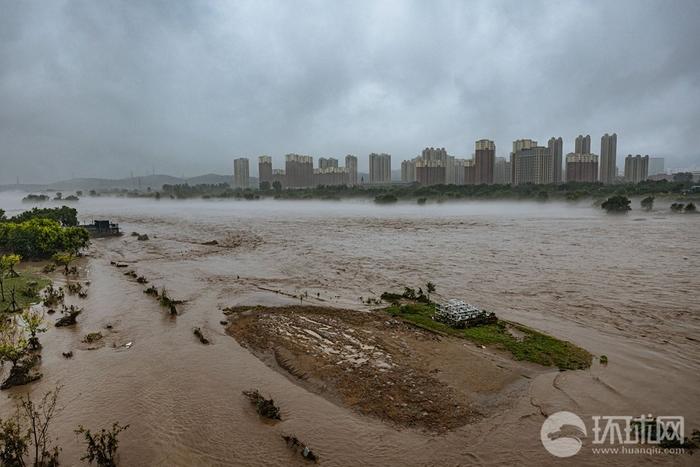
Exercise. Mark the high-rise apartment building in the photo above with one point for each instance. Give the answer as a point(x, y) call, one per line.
point(460, 164)
point(265, 169)
point(556, 147)
point(636, 168)
point(608, 158)
point(656, 165)
point(484, 161)
point(469, 172)
point(532, 165)
point(581, 167)
point(408, 171)
point(241, 173)
point(520, 144)
point(431, 171)
point(351, 167)
point(325, 163)
point(502, 171)
point(379, 168)
point(582, 145)
point(299, 170)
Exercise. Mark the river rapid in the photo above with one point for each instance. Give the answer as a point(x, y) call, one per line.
point(622, 286)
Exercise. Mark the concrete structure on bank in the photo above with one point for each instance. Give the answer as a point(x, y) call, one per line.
point(636, 168)
point(608, 159)
point(241, 173)
point(581, 167)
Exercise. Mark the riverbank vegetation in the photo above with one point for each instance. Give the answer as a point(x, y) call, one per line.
point(522, 342)
point(42, 233)
point(679, 188)
point(26, 439)
point(18, 291)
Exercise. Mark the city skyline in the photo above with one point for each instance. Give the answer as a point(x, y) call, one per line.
point(529, 162)
point(185, 88)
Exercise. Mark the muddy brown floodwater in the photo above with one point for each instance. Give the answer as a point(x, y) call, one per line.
point(625, 287)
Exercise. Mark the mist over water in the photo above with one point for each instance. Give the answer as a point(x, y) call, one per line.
point(623, 286)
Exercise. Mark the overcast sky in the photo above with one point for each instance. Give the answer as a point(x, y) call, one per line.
point(100, 89)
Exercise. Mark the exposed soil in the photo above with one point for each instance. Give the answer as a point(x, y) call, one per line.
point(380, 366)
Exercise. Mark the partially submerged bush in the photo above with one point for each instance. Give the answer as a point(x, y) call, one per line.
point(102, 447)
point(294, 443)
point(92, 337)
point(265, 407)
point(200, 335)
point(53, 296)
point(70, 315)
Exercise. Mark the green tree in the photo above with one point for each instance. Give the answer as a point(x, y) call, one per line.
point(64, 259)
point(7, 265)
point(265, 186)
point(616, 204)
point(13, 343)
point(648, 203)
point(277, 186)
point(14, 441)
point(2, 215)
point(34, 324)
point(690, 207)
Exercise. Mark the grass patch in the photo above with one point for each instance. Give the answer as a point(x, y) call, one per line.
point(27, 287)
point(522, 342)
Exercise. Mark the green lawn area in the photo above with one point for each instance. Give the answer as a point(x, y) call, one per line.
point(524, 343)
point(22, 286)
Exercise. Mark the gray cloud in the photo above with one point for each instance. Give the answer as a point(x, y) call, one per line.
point(106, 88)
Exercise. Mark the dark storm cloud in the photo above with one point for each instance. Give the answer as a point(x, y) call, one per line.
point(105, 88)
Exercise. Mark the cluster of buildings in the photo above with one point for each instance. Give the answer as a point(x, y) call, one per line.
point(298, 172)
point(529, 162)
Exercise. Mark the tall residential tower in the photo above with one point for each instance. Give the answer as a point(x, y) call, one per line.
point(608, 158)
point(556, 146)
point(241, 173)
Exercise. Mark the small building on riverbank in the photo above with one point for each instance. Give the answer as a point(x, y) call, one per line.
point(102, 228)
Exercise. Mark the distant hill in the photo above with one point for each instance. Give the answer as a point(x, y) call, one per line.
point(210, 179)
point(153, 181)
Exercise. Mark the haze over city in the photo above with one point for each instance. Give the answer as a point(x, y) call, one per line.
point(98, 89)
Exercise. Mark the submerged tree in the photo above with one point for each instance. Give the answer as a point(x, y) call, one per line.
point(102, 447)
point(13, 343)
point(33, 323)
point(29, 428)
point(64, 259)
point(7, 268)
point(430, 288)
point(648, 203)
point(616, 204)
